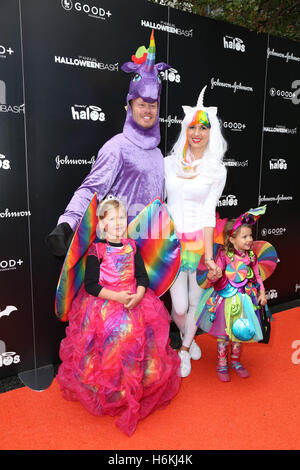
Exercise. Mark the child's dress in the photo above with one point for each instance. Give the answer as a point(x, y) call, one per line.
point(116, 361)
point(230, 308)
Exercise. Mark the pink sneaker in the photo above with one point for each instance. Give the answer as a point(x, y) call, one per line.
point(240, 370)
point(235, 360)
point(222, 367)
point(223, 375)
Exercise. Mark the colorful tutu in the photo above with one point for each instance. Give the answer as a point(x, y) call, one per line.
point(224, 312)
point(116, 361)
point(231, 308)
point(192, 247)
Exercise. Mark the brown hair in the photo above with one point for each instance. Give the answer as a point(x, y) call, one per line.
point(228, 246)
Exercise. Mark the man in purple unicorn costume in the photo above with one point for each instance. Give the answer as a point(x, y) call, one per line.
point(129, 166)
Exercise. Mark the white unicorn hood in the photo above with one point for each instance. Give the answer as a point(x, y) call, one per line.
point(212, 158)
point(190, 111)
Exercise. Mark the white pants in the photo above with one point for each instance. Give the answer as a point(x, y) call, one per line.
point(185, 295)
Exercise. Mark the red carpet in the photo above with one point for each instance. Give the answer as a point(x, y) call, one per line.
point(261, 412)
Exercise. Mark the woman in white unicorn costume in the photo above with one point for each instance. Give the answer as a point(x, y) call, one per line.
point(194, 181)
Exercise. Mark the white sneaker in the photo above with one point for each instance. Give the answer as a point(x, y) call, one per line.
point(195, 351)
point(185, 365)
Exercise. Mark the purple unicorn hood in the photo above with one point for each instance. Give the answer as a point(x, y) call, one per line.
point(146, 84)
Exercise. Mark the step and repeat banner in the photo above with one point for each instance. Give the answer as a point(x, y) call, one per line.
point(62, 96)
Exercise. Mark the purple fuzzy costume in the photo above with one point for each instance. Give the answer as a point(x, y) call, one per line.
point(129, 166)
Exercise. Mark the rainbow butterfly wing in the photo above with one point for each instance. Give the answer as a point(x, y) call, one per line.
point(266, 257)
point(72, 272)
point(154, 232)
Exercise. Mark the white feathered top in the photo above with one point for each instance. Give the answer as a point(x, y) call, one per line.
point(192, 201)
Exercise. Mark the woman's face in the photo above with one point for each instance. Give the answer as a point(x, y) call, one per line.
point(114, 224)
point(198, 136)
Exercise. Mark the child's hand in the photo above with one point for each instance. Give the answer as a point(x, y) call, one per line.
point(262, 298)
point(214, 269)
point(210, 275)
point(219, 272)
point(213, 275)
point(124, 297)
point(211, 265)
point(134, 300)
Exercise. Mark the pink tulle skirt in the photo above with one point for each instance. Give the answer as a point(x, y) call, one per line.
point(116, 361)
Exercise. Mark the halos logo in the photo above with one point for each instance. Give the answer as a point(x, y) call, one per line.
point(277, 164)
point(4, 163)
point(9, 358)
point(235, 44)
point(92, 11)
point(172, 75)
point(229, 200)
point(87, 113)
point(271, 294)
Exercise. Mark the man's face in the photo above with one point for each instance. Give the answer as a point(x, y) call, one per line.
point(144, 113)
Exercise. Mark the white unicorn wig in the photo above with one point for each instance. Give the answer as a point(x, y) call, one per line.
point(211, 163)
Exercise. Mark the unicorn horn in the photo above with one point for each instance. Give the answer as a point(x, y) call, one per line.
point(200, 99)
point(151, 54)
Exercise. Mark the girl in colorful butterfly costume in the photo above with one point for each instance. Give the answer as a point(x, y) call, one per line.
point(116, 357)
point(230, 307)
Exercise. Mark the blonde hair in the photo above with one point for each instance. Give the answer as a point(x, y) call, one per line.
point(102, 210)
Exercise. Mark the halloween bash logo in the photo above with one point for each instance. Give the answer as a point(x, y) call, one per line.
point(167, 27)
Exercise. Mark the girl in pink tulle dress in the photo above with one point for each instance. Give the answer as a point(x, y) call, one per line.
point(116, 357)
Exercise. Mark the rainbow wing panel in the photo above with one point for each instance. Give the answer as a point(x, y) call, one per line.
point(267, 258)
point(154, 232)
point(73, 270)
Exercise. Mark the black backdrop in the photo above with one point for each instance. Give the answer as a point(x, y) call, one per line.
point(62, 95)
